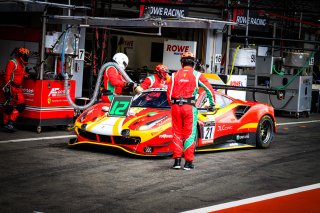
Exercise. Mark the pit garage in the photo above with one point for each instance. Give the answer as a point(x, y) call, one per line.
point(273, 59)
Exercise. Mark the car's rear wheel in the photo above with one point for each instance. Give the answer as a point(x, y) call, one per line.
point(265, 132)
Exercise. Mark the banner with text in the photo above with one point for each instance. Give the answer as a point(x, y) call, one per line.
point(168, 9)
point(257, 22)
point(172, 52)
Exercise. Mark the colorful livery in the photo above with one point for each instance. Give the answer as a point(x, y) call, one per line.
point(141, 125)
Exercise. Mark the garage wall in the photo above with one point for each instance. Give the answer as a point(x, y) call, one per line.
point(138, 50)
point(8, 45)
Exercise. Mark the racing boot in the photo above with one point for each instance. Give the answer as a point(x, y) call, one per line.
point(9, 127)
point(188, 165)
point(177, 163)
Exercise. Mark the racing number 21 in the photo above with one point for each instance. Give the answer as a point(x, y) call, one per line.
point(119, 108)
point(208, 132)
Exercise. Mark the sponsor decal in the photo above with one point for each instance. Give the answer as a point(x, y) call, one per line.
point(224, 128)
point(164, 136)
point(55, 92)
point(236, 83)
point(184, 80)
point(177, 49)
point(28, 91)
point(241, 137)
point(208, 141)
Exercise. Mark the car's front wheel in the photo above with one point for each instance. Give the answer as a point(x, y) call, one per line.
point(265, 132)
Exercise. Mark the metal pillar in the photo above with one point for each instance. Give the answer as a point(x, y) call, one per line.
point(44, 29)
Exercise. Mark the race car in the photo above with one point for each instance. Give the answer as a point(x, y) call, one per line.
point(141, 125)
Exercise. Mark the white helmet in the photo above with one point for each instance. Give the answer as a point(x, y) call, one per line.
point(121, 59)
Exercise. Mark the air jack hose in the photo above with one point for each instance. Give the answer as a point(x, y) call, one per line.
point(100, 75)
point(96, 90)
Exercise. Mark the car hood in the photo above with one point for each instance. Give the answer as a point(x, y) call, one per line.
point(96, 120)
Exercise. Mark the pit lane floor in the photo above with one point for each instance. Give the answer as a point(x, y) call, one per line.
point(39, 173)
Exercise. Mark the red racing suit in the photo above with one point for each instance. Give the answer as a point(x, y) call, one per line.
point(114, 82)
point(182, 89)
point(153, 81)
point(14, 75)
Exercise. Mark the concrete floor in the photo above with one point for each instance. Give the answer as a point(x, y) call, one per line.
point(44, 175)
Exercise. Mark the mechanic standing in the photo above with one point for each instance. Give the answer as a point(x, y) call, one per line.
point(114, 82)
point(182, 89)
point(158, 80)
point(14, 76)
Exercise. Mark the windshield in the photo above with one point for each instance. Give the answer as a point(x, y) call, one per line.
point(153, 99)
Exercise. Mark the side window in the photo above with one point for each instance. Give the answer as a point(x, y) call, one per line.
point(226, 100)
point(221, 101)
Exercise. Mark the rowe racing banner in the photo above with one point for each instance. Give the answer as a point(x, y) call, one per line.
point(172, 52)
point(257, 21)
point(168, 9)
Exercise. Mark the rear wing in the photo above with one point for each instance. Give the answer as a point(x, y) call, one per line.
point(279, 93)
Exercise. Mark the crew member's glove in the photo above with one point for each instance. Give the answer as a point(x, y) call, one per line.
point(130, 85)
point(106, 92)
point(211, 108)
point(7, 92)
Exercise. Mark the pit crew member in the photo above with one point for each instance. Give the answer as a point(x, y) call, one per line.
point(157, 80)
point(14, 76)
point(182, 89)
point(114, 82)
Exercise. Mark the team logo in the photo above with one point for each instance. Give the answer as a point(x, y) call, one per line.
point(49, 100)
point(55, 92)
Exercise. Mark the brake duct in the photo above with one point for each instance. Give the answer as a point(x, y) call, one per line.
point(97, 87)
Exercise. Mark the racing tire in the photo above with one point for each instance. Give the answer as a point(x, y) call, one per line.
point(265, 132)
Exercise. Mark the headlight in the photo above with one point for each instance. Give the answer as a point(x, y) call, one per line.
point(145, 127)
point(84, 115)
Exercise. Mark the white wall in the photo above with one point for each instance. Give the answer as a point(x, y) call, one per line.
point(138, 49)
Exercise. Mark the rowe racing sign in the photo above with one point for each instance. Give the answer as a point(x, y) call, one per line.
point(165, 12)
point(256, 21)
point(172, 52)
point(165, 8)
